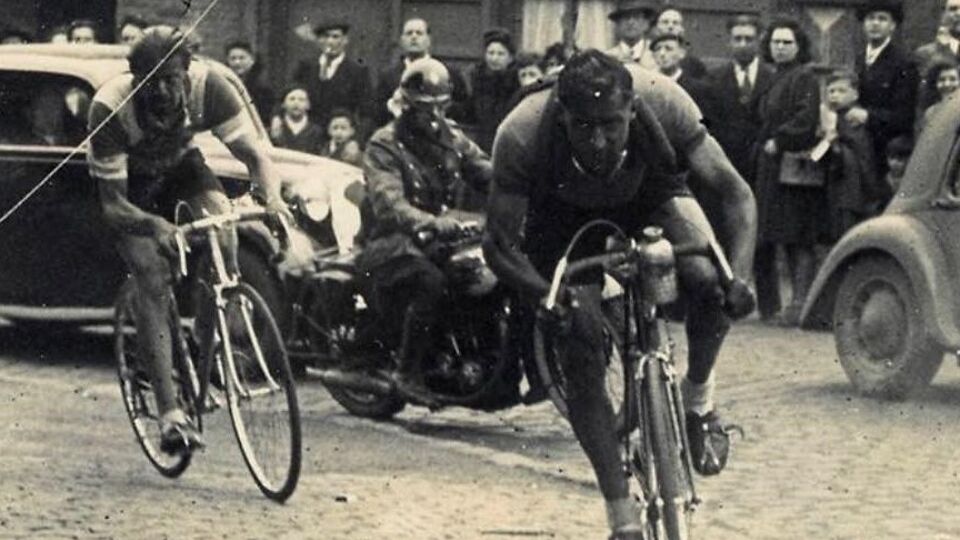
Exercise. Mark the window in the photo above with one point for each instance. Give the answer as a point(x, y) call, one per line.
point(43, 109)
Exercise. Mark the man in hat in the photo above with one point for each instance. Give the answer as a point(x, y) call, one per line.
point(415, 43)
point(669, 50)
point(334, 80)
point(632, 20)
point(888, 78)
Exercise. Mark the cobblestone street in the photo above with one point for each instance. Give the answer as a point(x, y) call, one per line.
point(817, 462)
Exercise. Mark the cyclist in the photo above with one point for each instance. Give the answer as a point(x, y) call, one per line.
point(145, 161)
point(417, 167)
point(611, 141)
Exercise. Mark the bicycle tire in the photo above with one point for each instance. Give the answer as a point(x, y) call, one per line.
point(137, 390)
point(552, 375)
point(273, 457)
point(667, 446)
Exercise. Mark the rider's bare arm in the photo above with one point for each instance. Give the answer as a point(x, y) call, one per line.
point(501, 245)
point(252, 151)
point(385, 189)
point(122, 215)
point(738, 216)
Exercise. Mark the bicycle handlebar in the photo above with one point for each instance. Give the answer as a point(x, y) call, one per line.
point(277, 223)
point(567, 270)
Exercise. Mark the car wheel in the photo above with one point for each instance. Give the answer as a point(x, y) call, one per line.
point(256, 271)
point(883, 344)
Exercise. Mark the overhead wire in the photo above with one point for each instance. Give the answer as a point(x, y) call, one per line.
point(86, 141)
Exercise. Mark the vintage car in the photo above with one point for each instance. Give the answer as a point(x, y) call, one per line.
point(889, 288)
point(58, 262)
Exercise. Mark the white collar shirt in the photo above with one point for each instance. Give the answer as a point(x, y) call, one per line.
point(874, 52)
point(328, 66)
point(295, 126)
point(750, 72)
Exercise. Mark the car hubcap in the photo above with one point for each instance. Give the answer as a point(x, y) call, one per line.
point(883, 324)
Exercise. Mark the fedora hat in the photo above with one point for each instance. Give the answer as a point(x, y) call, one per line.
point(648, 8)
point(893, 7)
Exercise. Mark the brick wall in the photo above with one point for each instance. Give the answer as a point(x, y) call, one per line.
point(227, 21)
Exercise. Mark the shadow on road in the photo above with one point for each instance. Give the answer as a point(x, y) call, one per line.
point(940, 394)
point(53, 345)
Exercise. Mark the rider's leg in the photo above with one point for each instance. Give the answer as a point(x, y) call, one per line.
point(591, 415)
point(706, 325)
point(410, 291)
point(152, 273)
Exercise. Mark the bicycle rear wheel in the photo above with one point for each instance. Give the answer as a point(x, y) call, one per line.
point(261, 394)
point(137, 389)
point(673, 496)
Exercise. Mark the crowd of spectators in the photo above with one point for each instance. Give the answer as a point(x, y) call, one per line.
point(820, 153)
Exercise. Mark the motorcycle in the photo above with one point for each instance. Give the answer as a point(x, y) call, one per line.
point(473, 360)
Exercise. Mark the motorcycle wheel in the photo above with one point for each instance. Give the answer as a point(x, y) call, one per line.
point(328, 339)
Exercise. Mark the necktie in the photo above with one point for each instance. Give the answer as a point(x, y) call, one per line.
point(324, 69)
point(746, 88)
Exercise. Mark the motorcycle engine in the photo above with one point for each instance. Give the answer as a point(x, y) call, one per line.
point(469, 273)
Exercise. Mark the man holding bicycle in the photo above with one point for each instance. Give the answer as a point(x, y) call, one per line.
point(614, 142)
point(143, 158)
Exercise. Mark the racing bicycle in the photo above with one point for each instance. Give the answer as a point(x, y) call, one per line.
point(241, 361)
point(641, 378)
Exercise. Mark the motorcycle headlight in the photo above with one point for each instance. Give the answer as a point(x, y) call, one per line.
point(314, 209)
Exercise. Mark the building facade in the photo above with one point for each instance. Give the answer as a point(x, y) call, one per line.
point(457, 25)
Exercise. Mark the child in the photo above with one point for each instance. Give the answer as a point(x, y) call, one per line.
point(529, 71)
point(293, 128)
point(898, 153)
point(942, 81)
point(341, 131)
point(853, 190)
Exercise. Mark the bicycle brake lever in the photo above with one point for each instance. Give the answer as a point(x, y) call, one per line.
point(182, 249)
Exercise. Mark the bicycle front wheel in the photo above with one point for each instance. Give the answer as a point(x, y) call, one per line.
point(673, 498)
point(261, 394)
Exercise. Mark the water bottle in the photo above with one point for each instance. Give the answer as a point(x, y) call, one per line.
point(658, 272)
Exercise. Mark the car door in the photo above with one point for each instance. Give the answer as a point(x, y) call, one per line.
point(57, 251)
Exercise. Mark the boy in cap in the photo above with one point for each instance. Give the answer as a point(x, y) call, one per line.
point(632, 20)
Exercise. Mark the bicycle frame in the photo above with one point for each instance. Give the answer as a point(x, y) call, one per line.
point(211, 227)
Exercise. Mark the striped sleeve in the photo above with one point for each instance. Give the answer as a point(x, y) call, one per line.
point(224, 110)
point(107, 157)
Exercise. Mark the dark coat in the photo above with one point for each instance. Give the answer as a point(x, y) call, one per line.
point(736, 124)
point(703, 95)
point(888, 90)
point(853, 186)
point(310, 140)
point(349, 88)
point(261, 93)
point(411, 180)
point(490, 101)
point(389, 79)
point(693, 66)
point(789, 112)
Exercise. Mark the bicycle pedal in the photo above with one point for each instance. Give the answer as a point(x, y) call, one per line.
point(734, 428)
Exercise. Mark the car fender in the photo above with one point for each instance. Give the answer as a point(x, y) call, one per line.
point(913, 246)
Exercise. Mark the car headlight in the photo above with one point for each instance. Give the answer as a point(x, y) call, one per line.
point(315, 210)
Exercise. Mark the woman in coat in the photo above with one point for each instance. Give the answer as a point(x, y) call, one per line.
point(493, 84)
point(791, 216)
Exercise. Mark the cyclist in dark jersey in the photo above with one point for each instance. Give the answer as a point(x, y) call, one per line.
point(609, 141)
point(143, 156)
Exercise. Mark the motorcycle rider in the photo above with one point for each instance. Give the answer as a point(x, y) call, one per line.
point(613, 141)
point(417, 168)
